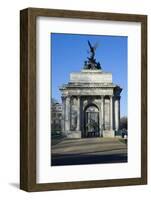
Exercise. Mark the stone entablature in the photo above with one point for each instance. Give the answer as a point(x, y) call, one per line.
point(90, 102)
point(90, 76)
point(88, 91)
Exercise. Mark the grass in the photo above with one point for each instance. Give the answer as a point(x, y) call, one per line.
point(56, 137)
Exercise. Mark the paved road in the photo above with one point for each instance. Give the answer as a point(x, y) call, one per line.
point(89, 151)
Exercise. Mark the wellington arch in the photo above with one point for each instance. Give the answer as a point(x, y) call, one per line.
point(90, 103)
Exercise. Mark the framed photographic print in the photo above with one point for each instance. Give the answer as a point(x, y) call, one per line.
point(83, 99)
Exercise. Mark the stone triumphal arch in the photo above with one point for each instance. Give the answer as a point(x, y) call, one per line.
point(90, 103)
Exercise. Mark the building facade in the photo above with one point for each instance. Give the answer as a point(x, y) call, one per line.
point(56, 117)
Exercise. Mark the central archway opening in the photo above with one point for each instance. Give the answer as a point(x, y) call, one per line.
point(91, 122)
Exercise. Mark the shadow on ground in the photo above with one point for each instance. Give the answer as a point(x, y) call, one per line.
point(88, 151)
point(55, 139)
point(16, 185)
point(76, 159)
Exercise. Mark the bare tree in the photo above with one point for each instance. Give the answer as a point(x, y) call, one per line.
point(53, 101)
point(123, 123)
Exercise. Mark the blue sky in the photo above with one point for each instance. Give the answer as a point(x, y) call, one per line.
point(69, 51)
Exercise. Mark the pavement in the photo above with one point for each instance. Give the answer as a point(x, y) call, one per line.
point(89, 151)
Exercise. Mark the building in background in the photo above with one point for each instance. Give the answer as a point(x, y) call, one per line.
point(56, 116)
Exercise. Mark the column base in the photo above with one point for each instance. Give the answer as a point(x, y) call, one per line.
point(108, 133)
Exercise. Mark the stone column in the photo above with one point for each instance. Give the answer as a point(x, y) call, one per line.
point(102, 113)
point(117, 113)
point(102, 109)
point(111, 113)
point(67, 114)
point(81, 116)
point(78, 114)
point(63, 114)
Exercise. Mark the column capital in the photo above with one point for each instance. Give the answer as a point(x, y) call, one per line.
point(117, 97)
point(63, 97)
point(68, 97)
